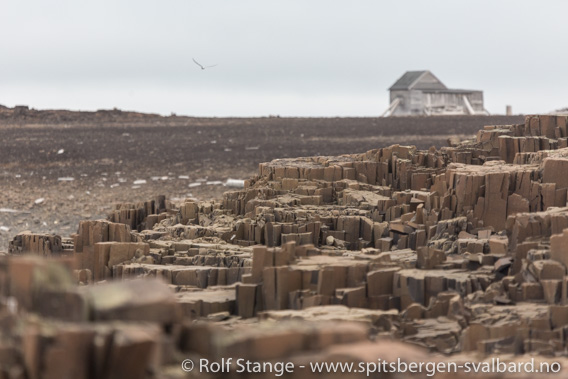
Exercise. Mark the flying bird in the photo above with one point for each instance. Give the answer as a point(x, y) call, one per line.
point(200, 65)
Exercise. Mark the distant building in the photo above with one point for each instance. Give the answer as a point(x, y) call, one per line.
point(421, 93)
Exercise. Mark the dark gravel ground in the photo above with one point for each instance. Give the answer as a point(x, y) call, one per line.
point(106, 152)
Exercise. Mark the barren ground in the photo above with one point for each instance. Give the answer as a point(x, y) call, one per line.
point(105, 152)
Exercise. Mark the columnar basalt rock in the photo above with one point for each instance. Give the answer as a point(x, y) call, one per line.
point(38, 244)
point(458, 250)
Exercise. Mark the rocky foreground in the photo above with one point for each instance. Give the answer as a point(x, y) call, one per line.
point(449, 255)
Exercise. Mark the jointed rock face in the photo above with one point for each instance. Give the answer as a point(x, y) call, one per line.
point(461, 250)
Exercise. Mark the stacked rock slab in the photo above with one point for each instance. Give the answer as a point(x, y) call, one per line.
point(460, 250)
point(38, 244)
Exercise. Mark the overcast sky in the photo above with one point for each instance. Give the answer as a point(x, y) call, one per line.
point(292, 57)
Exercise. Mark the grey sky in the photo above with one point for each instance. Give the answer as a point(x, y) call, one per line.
point(293, 58)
